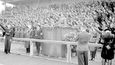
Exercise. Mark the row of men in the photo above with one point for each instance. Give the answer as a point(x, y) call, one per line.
point(9, 32)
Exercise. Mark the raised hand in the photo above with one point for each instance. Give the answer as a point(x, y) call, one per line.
point(2, 27)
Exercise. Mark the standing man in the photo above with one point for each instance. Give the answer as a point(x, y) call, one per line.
point(8, 38)
point(83, 39)
point(38, 35)
point(93, 49)
point(28, 35)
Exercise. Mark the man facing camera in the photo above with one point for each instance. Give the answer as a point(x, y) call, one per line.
point(8, 38)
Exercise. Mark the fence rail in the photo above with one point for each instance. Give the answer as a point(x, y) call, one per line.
point(50, 41)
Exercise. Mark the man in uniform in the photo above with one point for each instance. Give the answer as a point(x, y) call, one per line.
point(8, 38)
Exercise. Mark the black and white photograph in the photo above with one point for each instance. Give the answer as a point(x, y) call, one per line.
point(57, 32)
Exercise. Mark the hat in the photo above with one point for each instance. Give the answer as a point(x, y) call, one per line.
point(9, 26)
point(106, 34)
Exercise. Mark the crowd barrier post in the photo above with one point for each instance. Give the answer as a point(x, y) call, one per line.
point(68, 53)
point(31, 48)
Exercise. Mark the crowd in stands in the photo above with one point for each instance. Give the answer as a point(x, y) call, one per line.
point(94, 16)
point(73, 14)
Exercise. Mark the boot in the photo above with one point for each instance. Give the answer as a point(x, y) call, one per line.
point(5, 51)
point(27, 50)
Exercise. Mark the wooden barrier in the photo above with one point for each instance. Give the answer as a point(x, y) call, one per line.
point(51, 41)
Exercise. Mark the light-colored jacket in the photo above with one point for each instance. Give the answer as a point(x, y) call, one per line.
point(94, 40)
point(83, 39)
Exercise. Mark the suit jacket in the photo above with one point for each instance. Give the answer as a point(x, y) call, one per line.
point(7, 32)
point(36, 34)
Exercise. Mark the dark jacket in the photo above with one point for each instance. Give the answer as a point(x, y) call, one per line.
point(107, 41)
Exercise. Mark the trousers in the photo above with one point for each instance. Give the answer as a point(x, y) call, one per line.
point(93, 53)
point(7, 45)
point(38, 47)
point(82, 57)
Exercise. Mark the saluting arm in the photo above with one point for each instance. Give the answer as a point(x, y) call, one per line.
point(3, 27)
point(97, 30)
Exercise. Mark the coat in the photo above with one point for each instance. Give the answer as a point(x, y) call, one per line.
point(93, 40)
point(83, 39)
point(8, 37)
point(27, 35)
point(36, 34)
point(107, 41)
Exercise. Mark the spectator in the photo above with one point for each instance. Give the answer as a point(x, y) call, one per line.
point(38, 35)
point(8, 38)
point(27, 44)
point(107, 53)
point(93, 49)
point(83, 39)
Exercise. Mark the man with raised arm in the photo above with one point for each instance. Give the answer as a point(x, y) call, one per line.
point(8, 38)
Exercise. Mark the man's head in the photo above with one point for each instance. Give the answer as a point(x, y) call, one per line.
point(87, 30)
point(29, 26)
point(38, 27)
point(9, 26)
point(112, 25)
point(83, 29)
point(106, 34)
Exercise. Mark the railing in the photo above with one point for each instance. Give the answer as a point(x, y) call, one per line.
point(51, 41)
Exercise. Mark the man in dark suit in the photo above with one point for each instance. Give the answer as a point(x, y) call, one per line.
point(8, 38)
point(36, 34)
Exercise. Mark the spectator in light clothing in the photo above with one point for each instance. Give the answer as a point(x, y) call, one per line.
point(93, 49)
point(83, 39)
point(28, 35)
